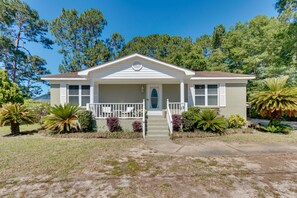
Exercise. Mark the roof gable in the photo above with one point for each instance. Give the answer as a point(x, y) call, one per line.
point(174, 67)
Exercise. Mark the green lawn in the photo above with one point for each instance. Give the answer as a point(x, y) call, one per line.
point(6, 129)
point(256, 137)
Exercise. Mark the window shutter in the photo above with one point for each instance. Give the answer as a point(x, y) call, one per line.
point(63, 93)
point(222, 94)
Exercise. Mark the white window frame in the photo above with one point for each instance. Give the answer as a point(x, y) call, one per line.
point(206, 95)
point(79, 93)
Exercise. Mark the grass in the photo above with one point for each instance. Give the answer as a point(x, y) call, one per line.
point(255, 137)
point(37, 165)
point(30, 127)
point(33, 156)
point(107, 135)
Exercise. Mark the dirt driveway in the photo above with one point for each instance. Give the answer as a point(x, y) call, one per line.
point(37, 166)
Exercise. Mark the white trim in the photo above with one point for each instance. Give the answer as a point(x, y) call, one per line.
point(206, 95)
point(182, 91)
point(86, 72)
point(223, 78)
point(222, 93)
point(49, 79)
point(92, 91)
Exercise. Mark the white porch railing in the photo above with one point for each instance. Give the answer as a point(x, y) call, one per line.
point(120, 110)
point(169, 117)
point(177, 107)
point(172, 109)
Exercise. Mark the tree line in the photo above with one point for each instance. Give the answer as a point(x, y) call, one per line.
point(264, 46)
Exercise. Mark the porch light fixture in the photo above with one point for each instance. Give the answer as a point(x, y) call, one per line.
point(142, 89)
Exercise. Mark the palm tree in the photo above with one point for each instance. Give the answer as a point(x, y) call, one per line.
point(15, 114)
point(63, 118)
point(277, 100)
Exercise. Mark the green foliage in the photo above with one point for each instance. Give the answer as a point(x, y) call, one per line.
point(287, 9)
point(79, 36)
point(9, 92)
point(21, 25)
point(188, 118)
point(172, 49)
point(40, 109)
point(15, 114)
point(188, 121)
point(207, 120)
point(280, 128)
point(85, 119)
point(276, 100)
point(63, 118)
point(194, 109)
point(236, 121)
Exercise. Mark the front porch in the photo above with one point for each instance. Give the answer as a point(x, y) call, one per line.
point(129, 100)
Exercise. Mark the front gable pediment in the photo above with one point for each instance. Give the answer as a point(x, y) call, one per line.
point(134, 67)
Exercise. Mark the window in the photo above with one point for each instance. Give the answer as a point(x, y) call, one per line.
point(206, 95)
point(85, 95)
point(74, 94)
point(79, 94)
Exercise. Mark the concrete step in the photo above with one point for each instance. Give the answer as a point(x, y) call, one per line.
point(157, 127)
point(157, 135)
point(149, 138)
point(158, 130)
point(156, 118)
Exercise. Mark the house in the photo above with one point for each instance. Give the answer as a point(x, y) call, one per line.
point(134, 84)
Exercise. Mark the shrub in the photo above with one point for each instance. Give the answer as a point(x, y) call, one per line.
point(113, 124)
point(40, 109)
point(85, 120)
point(9, 91)
point(15, 114)
point(188, 118)
point(137, 126)
point(63, 118)
point(188, 121)
point(194, 109)
point(176, 122)
point(281, 128)
point(236, 121)
point(207, 120)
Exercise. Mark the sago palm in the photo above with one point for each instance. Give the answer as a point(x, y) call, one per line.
point(277, 100)
point(15, 114)
point(207, 120)
point(62, 118)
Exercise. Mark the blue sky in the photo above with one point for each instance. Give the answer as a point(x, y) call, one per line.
point(133, 18)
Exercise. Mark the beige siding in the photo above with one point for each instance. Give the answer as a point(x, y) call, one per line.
point(172, 92)
point(126, 125)
point(55, 94)
point(235, 100)
point(121, 93)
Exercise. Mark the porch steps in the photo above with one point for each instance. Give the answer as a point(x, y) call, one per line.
point(157, 127)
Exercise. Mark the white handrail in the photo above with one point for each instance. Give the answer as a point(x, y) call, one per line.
point(143, 119)
point(169, 118)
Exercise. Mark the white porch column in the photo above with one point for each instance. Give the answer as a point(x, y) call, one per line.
point(182, 91)
point(91, 91)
